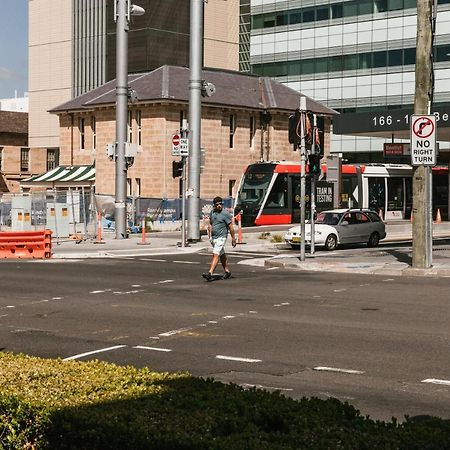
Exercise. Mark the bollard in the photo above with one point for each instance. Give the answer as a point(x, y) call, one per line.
point(438, 216)
point(143, 226)
point(239, 219)
point(99, 239)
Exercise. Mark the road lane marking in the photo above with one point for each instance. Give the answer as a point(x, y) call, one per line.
point(212, 321)
point(156, 349)
point(173, 332)
point(164, 281)
point(153, 259)
point(436, 381)
point(260, 386)
point(57, 298)
point(135, 285)
point(235, 358)
point(107, 349)
point(253, 312)
point(186, 262)
point(389, 279)
point(340, 290)
point(10, 306)
point(96, 292)
point(228, 317)
point(272, 268)
point(336, 369)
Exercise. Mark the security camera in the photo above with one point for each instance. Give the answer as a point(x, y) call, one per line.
point(137, 10)
point(208, 89)
point(132, 96)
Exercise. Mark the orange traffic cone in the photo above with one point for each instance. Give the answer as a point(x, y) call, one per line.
point(438, 216)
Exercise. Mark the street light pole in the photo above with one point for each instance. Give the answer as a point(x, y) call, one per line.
point(195, 99)
point(123, 11)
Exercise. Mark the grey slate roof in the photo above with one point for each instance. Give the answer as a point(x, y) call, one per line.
point(14, 122)
point(171, 83)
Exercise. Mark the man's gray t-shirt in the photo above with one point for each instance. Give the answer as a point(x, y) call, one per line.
point(219, 223)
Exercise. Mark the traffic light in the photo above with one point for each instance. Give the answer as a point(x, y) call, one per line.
point(314, 164)
point(319, 138)
point(177, 169)
point(295, 128)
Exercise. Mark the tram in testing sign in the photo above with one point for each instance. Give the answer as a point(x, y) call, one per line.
point(423, 140)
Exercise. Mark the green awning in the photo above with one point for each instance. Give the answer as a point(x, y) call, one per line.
point(63, 176)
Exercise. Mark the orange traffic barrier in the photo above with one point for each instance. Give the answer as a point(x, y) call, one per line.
point(438, 216)
point(26, 244)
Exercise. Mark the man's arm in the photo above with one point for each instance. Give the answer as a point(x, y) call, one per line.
point(231, 229)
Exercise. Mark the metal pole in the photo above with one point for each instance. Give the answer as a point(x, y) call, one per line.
point(195, 86)
point(121, 117)
point(183, 203)
point(302, 178)
point(313, 189)
point(422, 227)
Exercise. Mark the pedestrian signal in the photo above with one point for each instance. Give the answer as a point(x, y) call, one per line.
point(177, 169)
point(314, 164)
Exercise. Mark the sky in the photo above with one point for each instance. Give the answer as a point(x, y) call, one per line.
point(13, 48)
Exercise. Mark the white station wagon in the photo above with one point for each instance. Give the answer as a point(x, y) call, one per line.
point(341, 226)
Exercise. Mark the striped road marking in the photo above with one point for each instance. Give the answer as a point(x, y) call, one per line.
point(235, 358)
point(336, 369)
point(93, 352)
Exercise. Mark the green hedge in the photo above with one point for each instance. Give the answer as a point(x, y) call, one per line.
point(73, 405)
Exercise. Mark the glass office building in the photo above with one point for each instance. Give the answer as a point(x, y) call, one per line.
point(353, 56)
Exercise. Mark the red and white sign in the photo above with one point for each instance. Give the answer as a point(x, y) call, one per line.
point(176, 145)
point(423, 140)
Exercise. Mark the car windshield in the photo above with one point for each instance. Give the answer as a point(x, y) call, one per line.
point(328, 218)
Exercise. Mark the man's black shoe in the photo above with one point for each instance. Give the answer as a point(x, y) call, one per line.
point(226, 275)
point(207, 276)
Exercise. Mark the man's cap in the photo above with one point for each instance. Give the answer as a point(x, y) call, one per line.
point(217, 200)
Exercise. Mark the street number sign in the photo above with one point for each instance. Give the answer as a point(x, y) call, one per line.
point(423, 140)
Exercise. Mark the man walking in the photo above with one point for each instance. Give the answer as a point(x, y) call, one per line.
point(220, 222)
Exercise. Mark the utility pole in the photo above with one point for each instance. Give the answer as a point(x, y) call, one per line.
point(422, 226)
point(195, 105)
point(122, 12)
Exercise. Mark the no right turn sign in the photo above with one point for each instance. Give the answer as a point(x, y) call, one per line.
point(423, 140)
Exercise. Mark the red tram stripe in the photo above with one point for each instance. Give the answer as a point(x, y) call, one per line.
point(273, 219)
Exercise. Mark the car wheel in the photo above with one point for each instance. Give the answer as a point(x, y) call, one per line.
point(373, 240)
point(331, 242)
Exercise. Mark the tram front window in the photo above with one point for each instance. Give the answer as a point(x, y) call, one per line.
point(254, 188)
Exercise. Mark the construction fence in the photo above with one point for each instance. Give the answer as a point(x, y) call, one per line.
point(75, 213)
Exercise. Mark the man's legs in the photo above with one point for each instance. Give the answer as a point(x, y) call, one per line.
point(214, 262)
point(224, 261)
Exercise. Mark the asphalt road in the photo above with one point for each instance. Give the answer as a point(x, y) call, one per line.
point(370, 340)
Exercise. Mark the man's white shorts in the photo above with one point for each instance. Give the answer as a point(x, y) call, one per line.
point(218, 245)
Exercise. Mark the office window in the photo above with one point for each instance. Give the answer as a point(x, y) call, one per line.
point(139, 126)
point(52, 158)
point(379, 59)
point(395, 5)
point(129, 187)
point(395, 57)
point(232, 129)
point(409, 56)
point(322, 13)
point(412, 4)
point(350, 9)
point(282, 19)
point(295, 16)
point(252, 127)
point(380, 6)
point(321, 65)
point(307, 66)
point(365, 7)
point(81, 131)
point(365, 61)
point(308, 15)
point(24, 159)
point(337, 11)
point(94, 132)
point(130, 127)
point(350, 62)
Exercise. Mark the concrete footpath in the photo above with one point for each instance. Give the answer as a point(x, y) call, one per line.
point(266, 245)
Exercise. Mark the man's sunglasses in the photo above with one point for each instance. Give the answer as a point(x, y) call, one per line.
point(217, 204)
